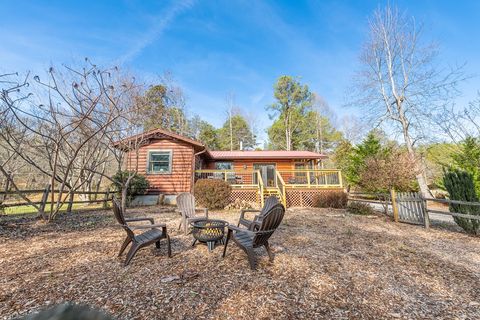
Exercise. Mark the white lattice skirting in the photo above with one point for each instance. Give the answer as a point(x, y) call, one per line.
point(304, 197)
point(250, 196)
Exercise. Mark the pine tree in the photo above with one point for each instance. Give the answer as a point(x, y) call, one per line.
point(460, 186)
point(468, 159)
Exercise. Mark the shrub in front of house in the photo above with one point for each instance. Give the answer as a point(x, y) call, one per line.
point(138, 184)
point(212, 193)
point(360, 208)
point(330, 199)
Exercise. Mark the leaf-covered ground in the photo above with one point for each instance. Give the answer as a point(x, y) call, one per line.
point(328, 264)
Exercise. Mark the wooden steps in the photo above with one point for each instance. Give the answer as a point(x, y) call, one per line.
point(267, 192)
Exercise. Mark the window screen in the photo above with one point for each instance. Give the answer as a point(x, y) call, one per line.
point(159, 161)
point(223, 166)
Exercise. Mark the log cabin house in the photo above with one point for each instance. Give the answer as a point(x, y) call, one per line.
point(172, 163)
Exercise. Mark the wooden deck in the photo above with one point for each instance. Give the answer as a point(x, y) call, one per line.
point(292, 187)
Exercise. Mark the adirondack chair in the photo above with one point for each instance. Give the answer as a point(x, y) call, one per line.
point(248, 240)
point(186, 207)
point(152, 235)
point(249, 224)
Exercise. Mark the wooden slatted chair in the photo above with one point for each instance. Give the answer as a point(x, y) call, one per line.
point(152, 235)
point(249, 224)
point(186, 207)
point(248, 240)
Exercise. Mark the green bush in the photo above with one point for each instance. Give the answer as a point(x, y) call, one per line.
point(212, 193)
point(460, 186)
point(331, 199)
point(138, 184)
point(360, 208)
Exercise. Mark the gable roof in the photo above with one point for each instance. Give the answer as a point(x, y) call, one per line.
point(146, 136)
point(264, 154)
point(159, 134)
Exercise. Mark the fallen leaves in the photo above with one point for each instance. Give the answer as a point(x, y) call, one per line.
point(328, 264)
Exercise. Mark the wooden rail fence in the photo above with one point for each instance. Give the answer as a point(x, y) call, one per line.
point(411, 207)
point(13, 202)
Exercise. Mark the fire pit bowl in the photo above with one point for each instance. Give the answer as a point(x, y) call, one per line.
point(208, 231)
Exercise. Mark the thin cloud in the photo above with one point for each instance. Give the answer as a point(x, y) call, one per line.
point(161, 23)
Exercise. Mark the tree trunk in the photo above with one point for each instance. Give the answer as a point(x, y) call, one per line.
point(288, 133)
point(231, 130)
point(124, 199)
point(422, 182)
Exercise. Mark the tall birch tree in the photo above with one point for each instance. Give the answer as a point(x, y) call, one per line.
point(400, 83)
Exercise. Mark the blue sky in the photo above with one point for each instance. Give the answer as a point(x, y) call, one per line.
point(214, 48)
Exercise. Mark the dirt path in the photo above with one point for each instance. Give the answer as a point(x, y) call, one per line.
point(327, 265)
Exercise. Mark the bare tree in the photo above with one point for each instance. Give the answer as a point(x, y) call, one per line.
point(353, 129)
point(401, 83)
point(322, 110)
point(463, 123)
point(68, 122)
point(230, 105)
point(10, 160)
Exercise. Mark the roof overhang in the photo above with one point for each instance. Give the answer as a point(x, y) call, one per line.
point(265, 155)
point(145, 138)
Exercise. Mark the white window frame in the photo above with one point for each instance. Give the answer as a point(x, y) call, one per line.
point(170, 161)
point(229, 162)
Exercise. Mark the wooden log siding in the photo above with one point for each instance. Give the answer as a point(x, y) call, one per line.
point(180, 177)
point(245, 175)
point(238, 165)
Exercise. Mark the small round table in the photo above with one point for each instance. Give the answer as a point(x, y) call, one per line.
point(208, 231)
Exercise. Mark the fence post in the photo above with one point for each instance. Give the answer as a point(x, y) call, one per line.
point(105, 201)
point(393, 195)
point(70, 202)
point(426, 217)
point(43, 203)
point(7, 188)
point(385, 202)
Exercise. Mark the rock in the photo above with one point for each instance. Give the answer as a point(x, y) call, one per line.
point(170, 278)
point(278, 249)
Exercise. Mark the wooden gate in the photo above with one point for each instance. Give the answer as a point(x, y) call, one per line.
point(411, 207)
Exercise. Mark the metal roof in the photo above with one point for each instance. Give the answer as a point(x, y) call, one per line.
point(143, 138)
point(265, 154)
point(219, 155)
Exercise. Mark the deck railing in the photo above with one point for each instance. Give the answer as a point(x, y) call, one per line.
point(299, 178)
point(260, 186)
point(237, 179)
point(281, 187)
point(311, 178)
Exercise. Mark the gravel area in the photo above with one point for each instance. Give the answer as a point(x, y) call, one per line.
point(328, 264)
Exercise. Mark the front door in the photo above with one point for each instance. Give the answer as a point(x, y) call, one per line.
point(267, 171)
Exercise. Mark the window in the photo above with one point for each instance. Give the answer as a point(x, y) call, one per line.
point(300, 177)
point(159, 161)
point(299, 166)
point(223, 166)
